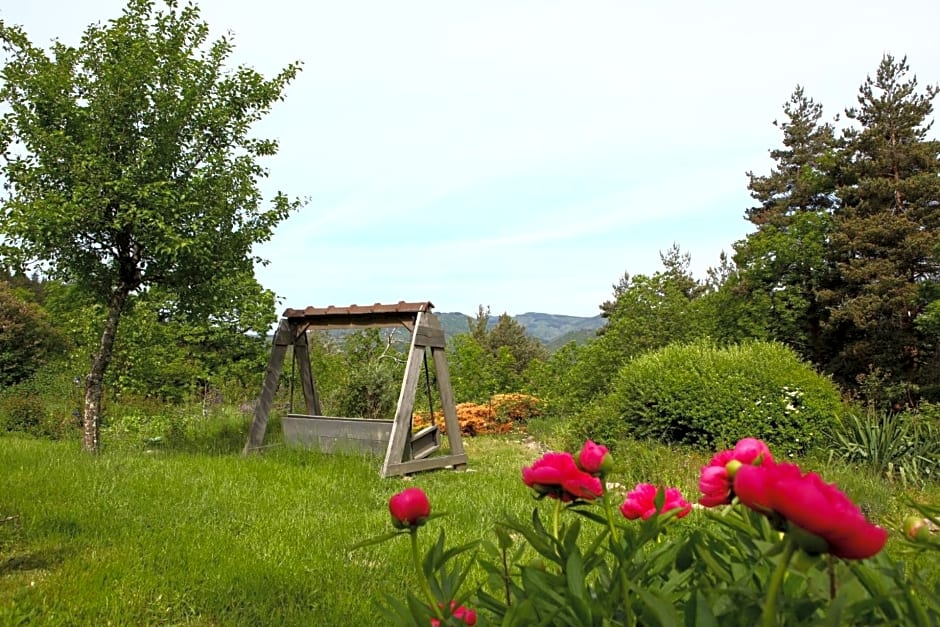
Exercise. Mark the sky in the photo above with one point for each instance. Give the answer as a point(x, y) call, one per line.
point(523, 155)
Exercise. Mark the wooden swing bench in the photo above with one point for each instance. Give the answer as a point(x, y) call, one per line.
point(405, 452)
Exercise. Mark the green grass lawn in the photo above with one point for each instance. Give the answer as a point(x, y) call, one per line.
point(130, 537)
point(133, 537)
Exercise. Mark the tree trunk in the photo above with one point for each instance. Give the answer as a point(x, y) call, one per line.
point(94, 382)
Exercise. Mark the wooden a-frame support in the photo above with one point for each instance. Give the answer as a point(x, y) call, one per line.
point(426, 335)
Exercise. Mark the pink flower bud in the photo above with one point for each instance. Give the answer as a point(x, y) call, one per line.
point(595, 459)
point(916, 528)
point(409, 508)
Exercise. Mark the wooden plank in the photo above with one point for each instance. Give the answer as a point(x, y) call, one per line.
point(428, 336)
point(425, 442)
point(307, 381)
point(332, 311)
point(331, 434)
point(431, 463)
point(259, 422)
point(406, 402)
point(360, 321)
point(447, 400)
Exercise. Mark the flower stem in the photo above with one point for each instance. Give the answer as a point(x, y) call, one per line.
point(618, 553)
point(769, 615)
point(555, 519)
point(432, 602)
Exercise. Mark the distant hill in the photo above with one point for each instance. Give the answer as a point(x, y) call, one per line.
point(551, 329)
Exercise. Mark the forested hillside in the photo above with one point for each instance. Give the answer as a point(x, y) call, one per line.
point(550, 329)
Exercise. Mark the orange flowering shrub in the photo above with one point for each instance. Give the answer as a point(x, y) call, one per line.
point(502, 414)
point(516, 407)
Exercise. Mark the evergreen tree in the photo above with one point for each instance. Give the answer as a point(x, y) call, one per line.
point(886, 232)
point(783, 264)
point(506, 341)
point(509, 335)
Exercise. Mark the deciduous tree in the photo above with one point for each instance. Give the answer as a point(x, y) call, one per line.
point(129, 165)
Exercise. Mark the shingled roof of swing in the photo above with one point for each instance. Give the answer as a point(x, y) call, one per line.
point(359, 310)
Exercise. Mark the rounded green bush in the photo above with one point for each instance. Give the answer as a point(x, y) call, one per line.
point(708, 396)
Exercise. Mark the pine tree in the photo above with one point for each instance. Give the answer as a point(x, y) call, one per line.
point(886, 231)
point(782, 264)
point(801, 181)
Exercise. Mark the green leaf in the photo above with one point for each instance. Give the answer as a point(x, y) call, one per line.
point(700, 611)
point(660, 608)
point(574, 573)
point(378, 539)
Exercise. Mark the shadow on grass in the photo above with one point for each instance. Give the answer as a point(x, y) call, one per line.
point(45, 559)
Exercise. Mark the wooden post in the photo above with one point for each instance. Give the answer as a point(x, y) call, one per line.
point(259, 423)
point(427, 334)
point(307, 381)
point(447, 401)
point(401, 427)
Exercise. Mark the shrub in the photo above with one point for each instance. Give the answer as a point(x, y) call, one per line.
point(515, 407)
point(369, 391)
point(27, 338)
point(47, 405)
point(502, 414)
point(704, 395)
point(23, 414)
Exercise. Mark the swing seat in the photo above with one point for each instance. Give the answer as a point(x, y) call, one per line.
point(355, 435)
point(406, 452)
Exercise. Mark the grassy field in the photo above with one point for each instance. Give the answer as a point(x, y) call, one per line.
point(133, 536)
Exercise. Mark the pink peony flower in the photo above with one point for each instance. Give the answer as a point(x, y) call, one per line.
point(814, 510)
point(409, 508)
point(558, 476)
point(640, 502)
point(461, 613)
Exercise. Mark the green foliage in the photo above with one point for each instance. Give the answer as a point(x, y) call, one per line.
point(895, 445)
point(27, 337)
point(161, 355)
point(491, 358)
point(475, 372)
point(782, 265)
point(885, 235)
point(139, 423)
point(704, 395)
point(45, 405)
point(370, 376)
point(22, 413)
point(370, 390)
point(648, 313)
point(843, 266)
